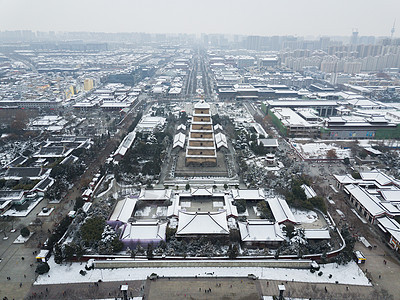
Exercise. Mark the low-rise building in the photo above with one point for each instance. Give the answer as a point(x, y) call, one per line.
point(293, 125)
point(375, 195)
point(260, 233)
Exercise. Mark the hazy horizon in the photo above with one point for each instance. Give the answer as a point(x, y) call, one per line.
point(253, 17)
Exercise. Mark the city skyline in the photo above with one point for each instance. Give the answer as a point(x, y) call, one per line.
point(267, 18)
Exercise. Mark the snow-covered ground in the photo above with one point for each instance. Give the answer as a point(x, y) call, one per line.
point(161, 211)
point(218, 204)
point(370, 143)
point(320, 150)
point(21, 240)
point(145, 212)
point(304, 216)
point(260, 162)
point(186, 203)
point(349, 274)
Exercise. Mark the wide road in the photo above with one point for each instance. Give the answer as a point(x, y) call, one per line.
point(206, 78)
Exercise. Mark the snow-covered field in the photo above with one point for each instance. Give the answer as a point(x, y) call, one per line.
point(145, 212)
point(161, 211)
point(320, 150)
point(349, 274)
point(186, 203)
point(304, 216)
point(218, 204)
point(370, 143)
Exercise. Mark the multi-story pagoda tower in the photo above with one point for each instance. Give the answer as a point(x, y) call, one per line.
point(201, 150)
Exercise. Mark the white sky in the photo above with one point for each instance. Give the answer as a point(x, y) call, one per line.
point(250, 17)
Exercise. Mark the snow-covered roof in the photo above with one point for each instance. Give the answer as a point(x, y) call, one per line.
point(391, 195)
point(5, 204)
point(369, 202)
point(33, 173)
point(181, 127)
point(317, 234)
point(202, 105)
point(377, 176)
point(175, 91)
point(372, 150)
point(218, 127)
point(248, 194)
point(123, 210)
point(158, 89)
point(392, 226)
point(144, 230)
point(86, 206)
point(290, 118)
point(260, 231)
point(231, 210)
point(157, 195)
point(125, 144)
point(281, 211)
point(115, 104)
point(390, 208)
point(87, 193)
point(268, 142)
point(309, 191)
point(362, 103)
point(260, 130)
point(220, 140)
point(69, 160)
point(150, 122)
point(201, 191)
point(202, 223)
point(345, 179)
point(14, 195)
point(44, 184)
point(173, 209)
point(179, 140)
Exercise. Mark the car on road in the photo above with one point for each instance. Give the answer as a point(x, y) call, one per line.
point(252, 276)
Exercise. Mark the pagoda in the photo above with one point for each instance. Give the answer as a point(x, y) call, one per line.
point(201, 149)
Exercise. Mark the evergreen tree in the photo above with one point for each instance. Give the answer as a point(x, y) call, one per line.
point(25, 232)
point(233, 251)
point(42, 268)
point(58, 257)
point(149, 252)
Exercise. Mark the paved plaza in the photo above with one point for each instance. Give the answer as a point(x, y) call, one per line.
point(181, 170)
point(99, 290)
point(214, 288)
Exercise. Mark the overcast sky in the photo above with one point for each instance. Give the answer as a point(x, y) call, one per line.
point(249, 17)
